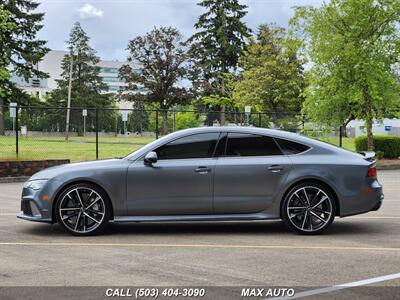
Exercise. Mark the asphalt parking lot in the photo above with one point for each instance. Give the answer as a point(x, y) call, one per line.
point(202, 254)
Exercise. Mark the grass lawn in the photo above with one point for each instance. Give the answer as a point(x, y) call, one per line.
point(80, 149)
point(76, 149)
point(347, 143)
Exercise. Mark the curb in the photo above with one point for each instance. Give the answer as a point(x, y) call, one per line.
point(13, 179)
point(388, 167)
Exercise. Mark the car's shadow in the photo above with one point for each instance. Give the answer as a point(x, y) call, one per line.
point(209, 228)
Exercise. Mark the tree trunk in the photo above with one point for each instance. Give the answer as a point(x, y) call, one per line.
point(2, 132)
point(343, 129)
point(164, 128)
point(223, 115)
point(370, 135)
point(116, 126)
point(344, 125)
point(368, 118)
point(223, 92)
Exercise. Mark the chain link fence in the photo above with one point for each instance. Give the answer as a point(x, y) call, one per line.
point(36, 133)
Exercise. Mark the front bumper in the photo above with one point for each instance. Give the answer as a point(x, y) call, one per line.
point(33, 207)
point(23, 216)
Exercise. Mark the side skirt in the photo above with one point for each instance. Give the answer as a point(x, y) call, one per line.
point(180, 218)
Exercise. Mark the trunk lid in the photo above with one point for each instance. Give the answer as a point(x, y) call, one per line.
point(368, 155)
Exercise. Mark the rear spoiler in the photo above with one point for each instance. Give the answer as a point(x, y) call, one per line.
point(368, 155)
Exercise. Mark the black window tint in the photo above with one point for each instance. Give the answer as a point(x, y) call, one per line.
point(194, 146)
point(243, 144)
point(289, 147)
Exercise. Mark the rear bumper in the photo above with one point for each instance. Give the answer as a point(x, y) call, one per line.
point(378, 205)
point(370, 199)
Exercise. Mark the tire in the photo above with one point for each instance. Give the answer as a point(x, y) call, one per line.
point(83, 209)
point(308, 208)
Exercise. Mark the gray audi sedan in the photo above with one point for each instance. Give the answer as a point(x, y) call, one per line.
point(209, 174)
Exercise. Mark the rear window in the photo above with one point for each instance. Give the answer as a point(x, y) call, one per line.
point(289, 147)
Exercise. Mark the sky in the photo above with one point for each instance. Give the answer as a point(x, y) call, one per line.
point(112, 23)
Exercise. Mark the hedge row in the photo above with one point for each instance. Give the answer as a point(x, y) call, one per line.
point(388, 145)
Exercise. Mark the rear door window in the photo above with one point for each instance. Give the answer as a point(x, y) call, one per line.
point(244, 144)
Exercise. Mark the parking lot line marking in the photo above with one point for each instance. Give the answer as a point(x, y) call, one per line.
point(378, 217)
point(227, 246)
point(342, 286)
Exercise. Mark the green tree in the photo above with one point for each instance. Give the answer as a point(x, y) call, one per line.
point(214, 101)
point(20, 49)
point(272, 78)
point(161, 61)
point(87, 88)
point(353, 46)
point(187, 120)
point(219, 41)
point(6, 27)
point(139, 118)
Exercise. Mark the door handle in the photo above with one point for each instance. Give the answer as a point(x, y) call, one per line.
point(275, 168)
point(202, 170)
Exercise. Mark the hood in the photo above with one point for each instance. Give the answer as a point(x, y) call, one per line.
point(52, 172)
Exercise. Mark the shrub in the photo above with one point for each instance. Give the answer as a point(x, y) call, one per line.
point(379, 154)
point(388, 145)
point(187, 120)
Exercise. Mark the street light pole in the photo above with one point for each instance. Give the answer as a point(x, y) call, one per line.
point(69, 97)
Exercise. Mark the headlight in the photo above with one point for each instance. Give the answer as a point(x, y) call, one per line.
point(35, 184)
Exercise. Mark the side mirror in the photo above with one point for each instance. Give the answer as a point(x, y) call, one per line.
point(150, 158)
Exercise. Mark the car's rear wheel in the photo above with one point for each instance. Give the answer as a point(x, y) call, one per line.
point(309, 208)
point(83, 209)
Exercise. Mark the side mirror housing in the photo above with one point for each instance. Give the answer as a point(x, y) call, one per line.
point(150, 158)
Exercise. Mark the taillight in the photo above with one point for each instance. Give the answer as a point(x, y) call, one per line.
point(372, 172)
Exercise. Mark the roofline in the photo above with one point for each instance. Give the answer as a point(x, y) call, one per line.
point(244, 129)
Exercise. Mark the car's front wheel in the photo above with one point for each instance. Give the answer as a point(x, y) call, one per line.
point(83, 209)
point(308, 208)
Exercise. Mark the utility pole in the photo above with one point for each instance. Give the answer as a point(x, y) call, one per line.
point(69, 96)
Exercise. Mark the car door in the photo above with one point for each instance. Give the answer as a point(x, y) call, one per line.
point(249, 172)
point(179, 183)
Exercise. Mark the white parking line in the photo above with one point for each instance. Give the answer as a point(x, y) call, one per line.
point(209, 246)
point(342, 286)
point(377, 217)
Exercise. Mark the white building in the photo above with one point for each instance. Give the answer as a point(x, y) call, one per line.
point(356, 128)
point(51, 64)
